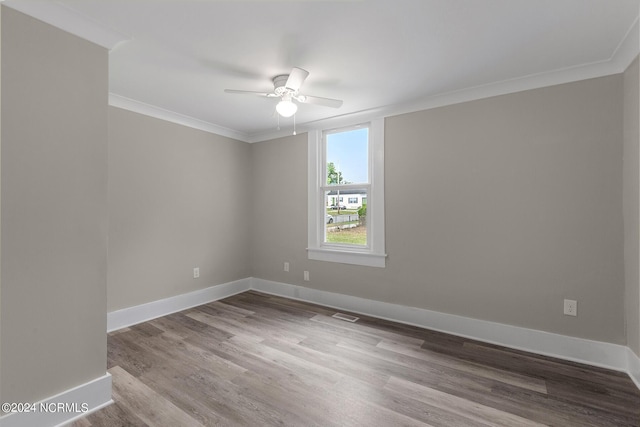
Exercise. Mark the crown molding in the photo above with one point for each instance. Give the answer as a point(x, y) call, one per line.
point(125, 103)
point(623, 55)
point(504, 87)
point(69, 20)
point(74, 22)
point(628, 48)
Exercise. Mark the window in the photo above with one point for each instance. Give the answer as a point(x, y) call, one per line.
point(347, 164)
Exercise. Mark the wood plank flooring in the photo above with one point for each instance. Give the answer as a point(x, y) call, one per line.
point(260, 360)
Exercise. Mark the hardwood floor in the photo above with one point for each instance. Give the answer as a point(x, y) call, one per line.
point(258, 360)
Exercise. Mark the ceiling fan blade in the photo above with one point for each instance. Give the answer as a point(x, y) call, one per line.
point(250, 92)
point(326, 102)
point(296, 78)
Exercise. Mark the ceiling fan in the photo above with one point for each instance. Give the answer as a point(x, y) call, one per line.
point(286, 87)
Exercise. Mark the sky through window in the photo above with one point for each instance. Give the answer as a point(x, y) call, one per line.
point(349, 153)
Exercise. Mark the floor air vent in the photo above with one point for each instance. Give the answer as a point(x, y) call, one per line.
point(346, 317)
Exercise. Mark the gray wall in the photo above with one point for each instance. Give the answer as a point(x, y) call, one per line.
point(631, 204)
point(178, 199)
point(54, 210)
point(496, 209)
point(280, 183)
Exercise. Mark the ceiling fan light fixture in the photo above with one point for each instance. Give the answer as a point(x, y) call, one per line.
point(287, 87)
point(286, 107)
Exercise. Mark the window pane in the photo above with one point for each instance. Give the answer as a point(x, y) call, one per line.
point(348, 157)
point(345, 222)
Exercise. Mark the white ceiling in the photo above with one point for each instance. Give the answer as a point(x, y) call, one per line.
point(173, 59)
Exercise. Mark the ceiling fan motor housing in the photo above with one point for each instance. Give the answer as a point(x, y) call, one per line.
point(279, 82)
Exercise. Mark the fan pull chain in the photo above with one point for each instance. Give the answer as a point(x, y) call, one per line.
point(294, 124)
point(278, 116)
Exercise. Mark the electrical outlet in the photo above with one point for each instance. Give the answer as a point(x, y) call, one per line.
point(570, 307)
point(196, 272)
point(286, 266)
point(306, 276)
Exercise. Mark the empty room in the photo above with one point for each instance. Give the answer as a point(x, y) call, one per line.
point(319, 213)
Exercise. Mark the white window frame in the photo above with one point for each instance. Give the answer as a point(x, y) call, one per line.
point(373, 254)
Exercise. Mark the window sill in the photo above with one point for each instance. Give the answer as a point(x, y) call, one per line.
point(367, 259)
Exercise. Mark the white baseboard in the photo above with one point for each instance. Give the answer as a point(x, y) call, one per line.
point(96, 394)
point(141, 313)
point(77, 402)
point(594, 353)
point(633, 369)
